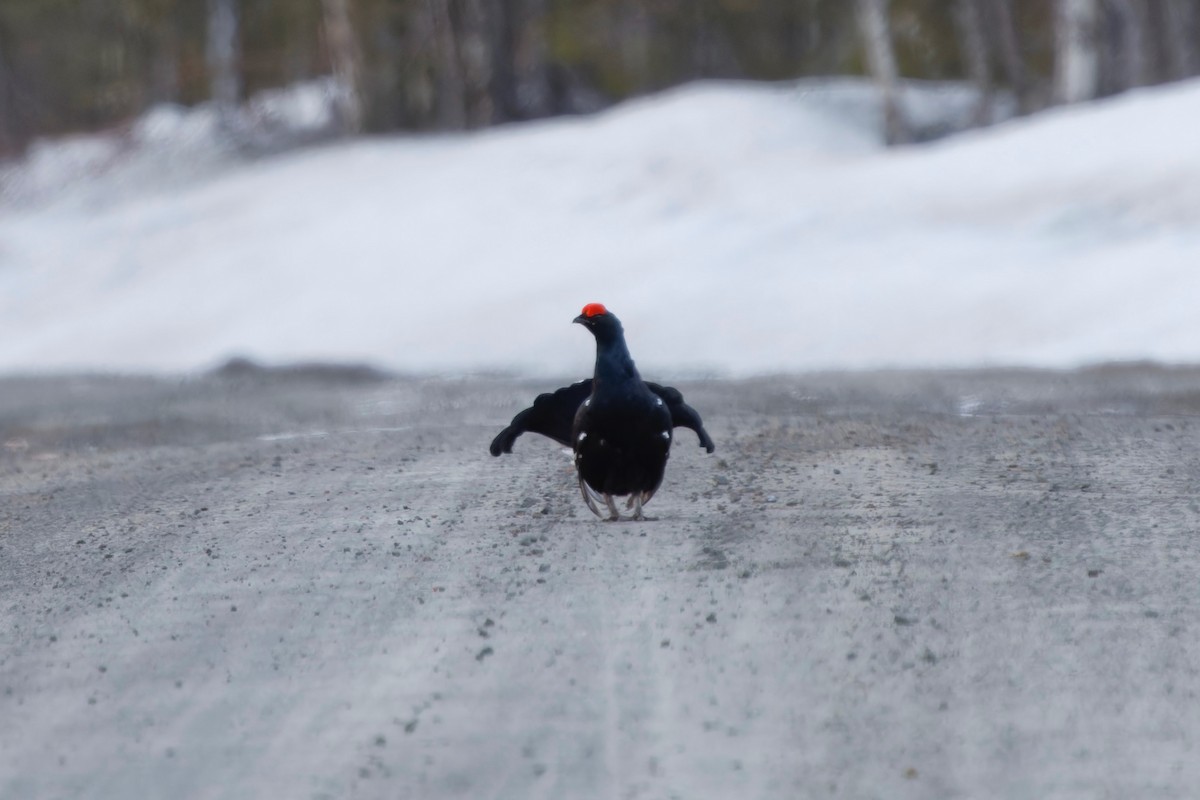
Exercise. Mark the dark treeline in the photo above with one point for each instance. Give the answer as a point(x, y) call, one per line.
point(70, 65)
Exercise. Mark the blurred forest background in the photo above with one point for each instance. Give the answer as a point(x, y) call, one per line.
point(421, 65)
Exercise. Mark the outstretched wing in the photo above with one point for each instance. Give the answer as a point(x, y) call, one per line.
point(682, 415)
point(551, 414)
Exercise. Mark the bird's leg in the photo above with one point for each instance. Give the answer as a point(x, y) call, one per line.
point(638, 499)
point(587, 497)
point(612, 507)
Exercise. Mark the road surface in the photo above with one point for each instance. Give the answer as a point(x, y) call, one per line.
point(316, 583)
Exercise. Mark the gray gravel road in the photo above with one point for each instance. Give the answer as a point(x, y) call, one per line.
point(317, 584)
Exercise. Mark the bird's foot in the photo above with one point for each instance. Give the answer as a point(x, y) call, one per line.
point(636, 501)
point(614, 515)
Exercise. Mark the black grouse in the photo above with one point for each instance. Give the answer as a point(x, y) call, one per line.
point(619, 426)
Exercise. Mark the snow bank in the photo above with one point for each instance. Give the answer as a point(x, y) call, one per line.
point(168, 147)
point(735, 228)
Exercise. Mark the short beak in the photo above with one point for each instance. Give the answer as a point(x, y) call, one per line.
point(581, 319)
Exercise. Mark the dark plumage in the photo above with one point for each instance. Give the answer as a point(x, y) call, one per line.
point(619, 426)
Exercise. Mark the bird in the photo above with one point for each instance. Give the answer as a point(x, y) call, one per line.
point(619, 426)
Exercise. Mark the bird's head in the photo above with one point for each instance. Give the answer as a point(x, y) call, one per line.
point(599, 320)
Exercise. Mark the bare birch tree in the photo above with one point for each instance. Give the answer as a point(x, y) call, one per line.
point(1076, 55)
point(346, 61)
point(881, 59)
point(222, 53)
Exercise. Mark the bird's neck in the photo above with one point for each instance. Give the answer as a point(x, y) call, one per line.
point(613, 362)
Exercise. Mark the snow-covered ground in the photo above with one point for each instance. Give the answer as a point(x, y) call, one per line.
point(735, 228)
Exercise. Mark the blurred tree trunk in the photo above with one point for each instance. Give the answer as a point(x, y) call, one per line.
point(1179, 37)
point(535, 93)
point(505, 26)
point(1076, 58)
point(11, 138)
point(712, 54)
point(222, 55)
point(969, 17)
point(475, 62)
point(462, 64)
point(519, 77)
point(998, 18)
point(705, 55)
point(163, 80)
point(450, 102)
point(346, 61)
point(1130, 61)
point(410, 90)
point(881, 59)
point(631, 35)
